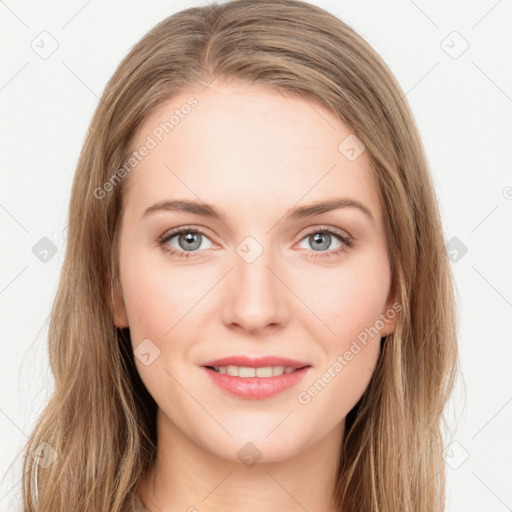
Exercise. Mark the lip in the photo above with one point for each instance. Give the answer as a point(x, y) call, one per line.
point(257, 362)
point(256, 388)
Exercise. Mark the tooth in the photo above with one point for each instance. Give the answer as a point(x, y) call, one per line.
point(246, 372)
point(264, 372)
point(232, 370)
point(278, 370)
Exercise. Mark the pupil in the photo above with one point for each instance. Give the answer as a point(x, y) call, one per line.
point(190, 238)
point(317, 237)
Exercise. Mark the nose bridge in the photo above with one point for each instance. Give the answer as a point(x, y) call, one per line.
point(255, 297)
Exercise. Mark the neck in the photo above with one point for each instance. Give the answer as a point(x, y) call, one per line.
point(188, 477)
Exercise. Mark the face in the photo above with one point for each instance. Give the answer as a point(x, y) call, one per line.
point(256, 280)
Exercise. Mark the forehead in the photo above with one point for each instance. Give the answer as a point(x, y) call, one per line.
point(248, 147)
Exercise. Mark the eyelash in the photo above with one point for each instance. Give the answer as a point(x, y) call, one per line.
point(347, 242)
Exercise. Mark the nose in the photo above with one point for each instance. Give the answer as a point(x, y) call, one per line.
point(255, 298)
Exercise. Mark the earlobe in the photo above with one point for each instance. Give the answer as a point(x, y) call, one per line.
point(118, 307)
point(389, 326)
point(389, 315)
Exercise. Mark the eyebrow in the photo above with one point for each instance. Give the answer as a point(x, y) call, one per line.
point(300, 212)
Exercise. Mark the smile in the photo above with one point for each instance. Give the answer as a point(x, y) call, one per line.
point(245, 383)
point(245, 372)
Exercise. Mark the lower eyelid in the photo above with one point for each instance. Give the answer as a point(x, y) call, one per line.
point(345, 240)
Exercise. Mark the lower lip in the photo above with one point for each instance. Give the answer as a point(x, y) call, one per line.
point(256, 388)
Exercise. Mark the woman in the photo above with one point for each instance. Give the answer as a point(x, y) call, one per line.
point(255, 309)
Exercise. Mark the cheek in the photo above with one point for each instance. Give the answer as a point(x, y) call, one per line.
point(160, 303)
point(148, 306)
point(348, 299)
point(349, 302)
point(158, 295)
point(350, 355)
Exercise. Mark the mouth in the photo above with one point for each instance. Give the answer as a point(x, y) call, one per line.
point(256, 378)
point(247, 372)
point(256, 362)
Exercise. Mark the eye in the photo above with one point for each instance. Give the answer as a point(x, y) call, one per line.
point(188, 240)
point(322, 238)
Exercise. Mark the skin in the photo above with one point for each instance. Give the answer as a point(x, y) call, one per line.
point(254, 153)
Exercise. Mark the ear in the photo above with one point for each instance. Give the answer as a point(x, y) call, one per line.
point(389, 314)
point(118, 307)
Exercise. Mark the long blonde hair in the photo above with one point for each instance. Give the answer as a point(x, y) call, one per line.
point(100, 419)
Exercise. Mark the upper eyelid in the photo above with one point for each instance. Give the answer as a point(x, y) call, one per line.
point(305, 232)
point(178, 231)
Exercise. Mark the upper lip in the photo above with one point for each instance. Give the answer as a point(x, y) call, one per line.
point(257, 362)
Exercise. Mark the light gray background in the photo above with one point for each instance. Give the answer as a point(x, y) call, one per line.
point(463, 106)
